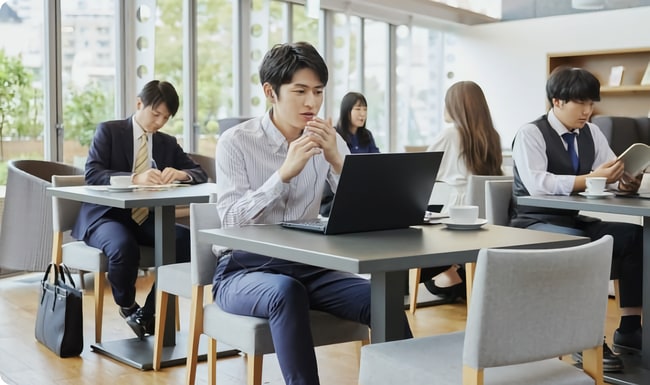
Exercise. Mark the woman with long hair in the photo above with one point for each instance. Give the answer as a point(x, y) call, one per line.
point(471, 146)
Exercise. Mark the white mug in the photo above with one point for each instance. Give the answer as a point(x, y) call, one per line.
point(121, 180)
point(463, 215)
point(595, 184)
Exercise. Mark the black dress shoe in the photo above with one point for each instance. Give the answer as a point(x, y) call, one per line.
point(451, 293)
point(627, 343)
point(611, 362)
point(141, 324)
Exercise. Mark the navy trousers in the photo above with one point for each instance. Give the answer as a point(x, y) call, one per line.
point(627, 257)
point(284, 292)
point(119, 237)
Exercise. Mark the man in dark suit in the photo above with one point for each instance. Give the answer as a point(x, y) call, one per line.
point(135, 148)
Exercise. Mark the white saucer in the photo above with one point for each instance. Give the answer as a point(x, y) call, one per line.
point(120, 189)
point(464, 226)
point(603, 194)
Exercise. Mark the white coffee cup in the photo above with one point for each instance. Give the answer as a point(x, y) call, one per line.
point(463, 215)
point(121, 180)
point(595, 184)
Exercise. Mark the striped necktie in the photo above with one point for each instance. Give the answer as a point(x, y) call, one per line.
point(141, 164)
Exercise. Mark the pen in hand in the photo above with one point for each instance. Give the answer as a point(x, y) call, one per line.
point(153, 163)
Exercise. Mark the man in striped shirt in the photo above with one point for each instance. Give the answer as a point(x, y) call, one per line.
point(271, 169)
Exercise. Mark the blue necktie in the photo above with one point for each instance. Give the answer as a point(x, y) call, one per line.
point(569, 138)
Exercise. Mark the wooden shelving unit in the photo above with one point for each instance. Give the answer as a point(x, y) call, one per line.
point(630, 98)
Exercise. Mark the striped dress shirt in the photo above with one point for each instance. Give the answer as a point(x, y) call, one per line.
point(249, 188)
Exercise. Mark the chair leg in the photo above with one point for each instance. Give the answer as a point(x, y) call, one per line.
point(82, 282)
point(212, 361)
point(161, 308)
point(414, 284)
point(592, 363)
point(57, 243)
point(99, 305)
point(617, 294)
point(470, 270)
point(254, 369)
point(472, 376)
point(196, 329)
point(178, 316)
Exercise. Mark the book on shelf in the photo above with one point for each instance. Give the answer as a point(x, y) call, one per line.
point(645, 81)
point(636, 158)
point(616, 76)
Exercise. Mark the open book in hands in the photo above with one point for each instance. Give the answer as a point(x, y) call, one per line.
point(636, 158)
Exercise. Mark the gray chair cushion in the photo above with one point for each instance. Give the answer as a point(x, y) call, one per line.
point(437, 360)
point(175, 279)
point(252, 335)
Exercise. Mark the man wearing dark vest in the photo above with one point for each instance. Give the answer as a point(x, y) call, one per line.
point(553, 155)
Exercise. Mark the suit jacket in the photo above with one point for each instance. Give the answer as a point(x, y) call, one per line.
point(111, 153)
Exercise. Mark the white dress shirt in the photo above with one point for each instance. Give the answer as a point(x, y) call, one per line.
point(249, 188)
point(529, 155)
point(453, 170)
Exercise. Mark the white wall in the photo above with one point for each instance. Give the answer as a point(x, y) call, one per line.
point(508, 60)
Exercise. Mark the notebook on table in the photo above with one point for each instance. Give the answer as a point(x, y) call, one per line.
point(378, 192)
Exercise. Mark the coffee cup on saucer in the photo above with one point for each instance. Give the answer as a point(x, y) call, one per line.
point(463, 215)
point(595, 184)
point(121, 181)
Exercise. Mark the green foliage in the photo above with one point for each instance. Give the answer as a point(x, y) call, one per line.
point(83, 110)
point(15, 84)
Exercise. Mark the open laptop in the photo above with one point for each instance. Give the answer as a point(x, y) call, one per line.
point(378, 192)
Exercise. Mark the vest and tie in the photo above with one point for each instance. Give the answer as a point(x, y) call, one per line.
point(141, 164)
point(561, 160)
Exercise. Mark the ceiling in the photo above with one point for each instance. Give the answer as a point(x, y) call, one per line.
point(527, 9)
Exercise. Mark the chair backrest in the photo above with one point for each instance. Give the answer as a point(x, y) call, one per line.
point(65, 211)
point(622, 131)
point(498, 194)
point(207, 163)
point(203, 260)
point(530, 305)
point(26, 237)
point(476, 190)
point(226, 123)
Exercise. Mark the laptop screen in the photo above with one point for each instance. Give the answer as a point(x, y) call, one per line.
point(383, 191)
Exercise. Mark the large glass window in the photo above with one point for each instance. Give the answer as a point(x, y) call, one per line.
point(215, 83)
point(420, 68)
point(376, 81)
point(88, 73)
point(345, 66)
point(21, 76)
point(168, 55)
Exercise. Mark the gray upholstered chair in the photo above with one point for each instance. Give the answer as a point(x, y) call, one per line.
point(26, 239)
point(520, 320)
point(227, 123)
point(475, 196)
point(207, 163)
point(250, 335)
point(622, 131)
point(498, 194)
point(77, 254)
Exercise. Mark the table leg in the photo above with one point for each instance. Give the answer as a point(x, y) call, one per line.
point(388, 322)
point(165, 253)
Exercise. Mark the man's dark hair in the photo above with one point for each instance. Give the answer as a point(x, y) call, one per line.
point(284, 60)
point(572, 84)
point(156, 92)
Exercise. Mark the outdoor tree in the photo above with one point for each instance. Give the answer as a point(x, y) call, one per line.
point(83, 110)
point(15, 83)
